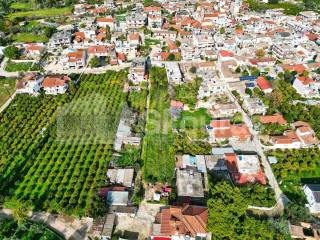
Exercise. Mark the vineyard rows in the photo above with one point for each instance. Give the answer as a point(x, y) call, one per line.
point(55, 150)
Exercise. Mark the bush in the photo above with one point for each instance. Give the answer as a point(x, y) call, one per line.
point(11, 52)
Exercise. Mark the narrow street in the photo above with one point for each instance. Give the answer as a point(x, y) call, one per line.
point(280, 197)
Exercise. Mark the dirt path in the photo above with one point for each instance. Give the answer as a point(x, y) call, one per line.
point(68, 227)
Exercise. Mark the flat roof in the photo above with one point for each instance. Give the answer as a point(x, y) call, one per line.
point(189, 184)
point(121, 176)
point(117, 198)
point(248, 163)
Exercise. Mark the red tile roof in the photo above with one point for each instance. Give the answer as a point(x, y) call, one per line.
point(225, 123)
point(263, 83)
point(134, 36)
point(242, 178)
point(104, 19)
point(97, 49)
point(152, 9)
point(299, 68)
point(33, 47)
point(225, 53)
point(276, 118)
point(75, 56)
point(188, 220)
point(255, 61)
point(55, 81)
point(305, 80)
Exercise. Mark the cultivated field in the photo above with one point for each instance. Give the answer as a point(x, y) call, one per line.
point(157, 152)
point(50, 12)
point(55, 150)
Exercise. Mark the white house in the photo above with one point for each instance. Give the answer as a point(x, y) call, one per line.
point(306, 87)
point(137, 71)
point(54, 85)
point(254, 105)
point(174, 73)
point(312, 192)
point(77, 59)
point(30, 84)
point(105, 21)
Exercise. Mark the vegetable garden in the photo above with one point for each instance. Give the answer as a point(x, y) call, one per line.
point(54, 164)
point(157, 152)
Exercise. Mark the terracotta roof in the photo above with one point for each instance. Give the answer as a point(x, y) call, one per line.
point(299, 68)
point(223, 133)
point(242, 178)
point(121, 56)
point(171, 45)
point(97, 49)
point(75, 56)
point(225, 53)
point(313, 36)
point(221, 123)
point(263, 83)
point(238, 31)
point(210, 15)
point(240, 131)
point(98, 10)
point(55, 81)
point(282, 140)
point(205, 64)
point(33, 47)
point(305, 80)
point(134, 36)
point(152, 9)
point(79, 36)
point(276, 118)
point(104, 19)
point(164, 55)
point(255, 61)
point(191, 220)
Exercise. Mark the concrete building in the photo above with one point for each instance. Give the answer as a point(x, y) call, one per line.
point(173, 73)
point(120, 176)
point(312, 192)
point(190, 186)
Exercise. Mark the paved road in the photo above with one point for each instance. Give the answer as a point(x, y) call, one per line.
point(4, 73)
point(69, 228)
point(280, 197)
point(58, 69)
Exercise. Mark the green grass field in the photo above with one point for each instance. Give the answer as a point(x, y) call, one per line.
point(157, 150)
point(193, 120)
point(7, 87)
point(20, 6)
point(29, 37)
point(21, 67)
point(49, 12)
